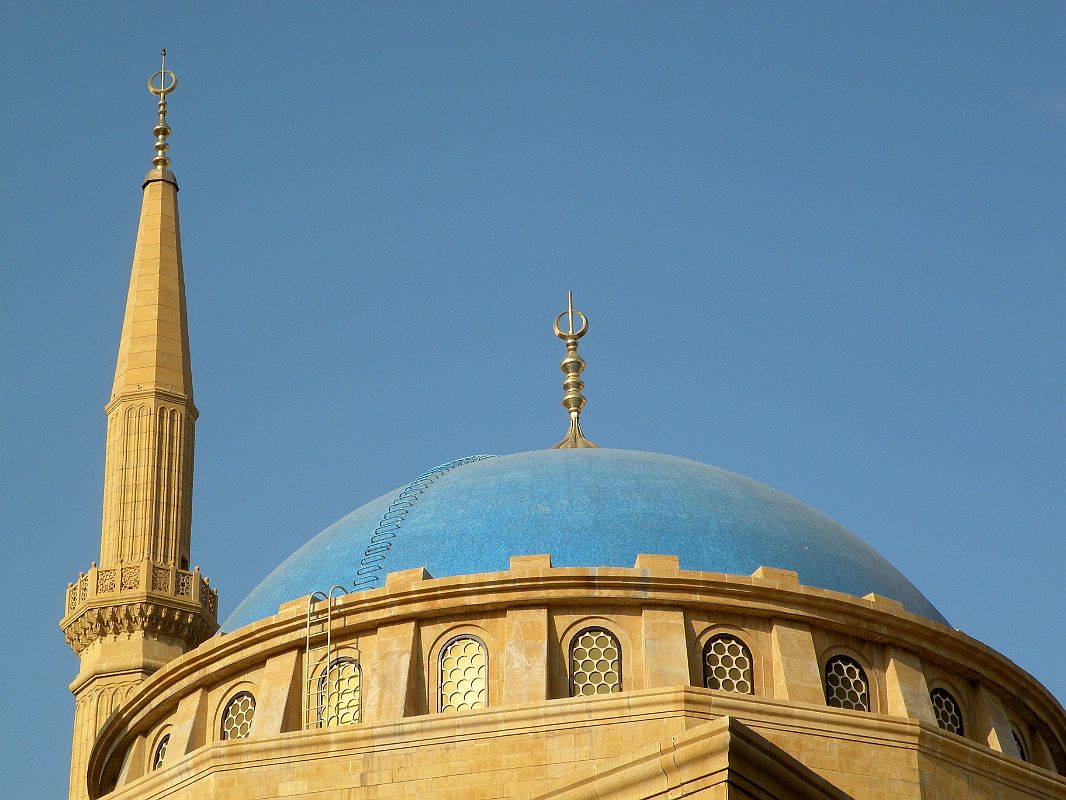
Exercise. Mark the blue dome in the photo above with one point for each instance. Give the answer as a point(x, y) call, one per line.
point(587, 508)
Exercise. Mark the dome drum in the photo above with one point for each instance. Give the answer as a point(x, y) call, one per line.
point(525, 622)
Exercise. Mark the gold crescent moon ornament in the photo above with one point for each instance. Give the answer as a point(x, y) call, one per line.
point(582, 329)
point(162, 90)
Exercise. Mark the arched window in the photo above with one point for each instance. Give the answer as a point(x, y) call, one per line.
point(464, 674)
point(237, 718)
point(340, 693)
point(1020, 744)
point(595, 663)
point(727, 665)
point(160, 754)
point(946, 710)
point(846, 685)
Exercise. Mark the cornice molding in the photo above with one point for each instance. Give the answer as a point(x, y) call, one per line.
point(142, 615)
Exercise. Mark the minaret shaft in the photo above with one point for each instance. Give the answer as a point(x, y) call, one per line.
point(151, 416)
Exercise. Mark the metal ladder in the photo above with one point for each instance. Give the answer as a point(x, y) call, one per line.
point(318, 653)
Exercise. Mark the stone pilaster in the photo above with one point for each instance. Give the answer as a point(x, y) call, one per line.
point(993, 727)
point(665, 648)
point(280, 693)
point(795, 663)
point(395, 656)
point(525, 656)
point(908, 693)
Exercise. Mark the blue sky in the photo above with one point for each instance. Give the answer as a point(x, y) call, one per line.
point(819, 244)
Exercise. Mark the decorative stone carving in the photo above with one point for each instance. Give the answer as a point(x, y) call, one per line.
point(105, 581)
point(155, 599)
point(131, 578)
point(123, 619)
point(160, 579)
point(184, 585)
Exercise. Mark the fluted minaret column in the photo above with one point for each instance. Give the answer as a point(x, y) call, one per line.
point(142, 606)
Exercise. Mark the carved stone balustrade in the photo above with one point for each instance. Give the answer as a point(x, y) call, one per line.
point(158, 599)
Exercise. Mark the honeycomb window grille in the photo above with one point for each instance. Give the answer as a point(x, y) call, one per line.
point(237, 718)
point(727, 665)
point(947, 711)
point(160, 754)
point(340, 693)
point(846, 685)
point(464, 674)
point(1018, 743)
point(595, 663)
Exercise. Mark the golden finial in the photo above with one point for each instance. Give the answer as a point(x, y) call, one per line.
point(161, 129)
point(572, 364)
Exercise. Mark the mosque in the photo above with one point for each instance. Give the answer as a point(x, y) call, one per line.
point(574, 622)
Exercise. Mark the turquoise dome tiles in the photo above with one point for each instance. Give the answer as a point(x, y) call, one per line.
point(588, 508)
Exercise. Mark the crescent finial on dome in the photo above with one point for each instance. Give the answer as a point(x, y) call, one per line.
point(572, 364)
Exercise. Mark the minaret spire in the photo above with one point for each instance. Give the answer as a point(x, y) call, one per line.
point(572, 364)
point(142, 606)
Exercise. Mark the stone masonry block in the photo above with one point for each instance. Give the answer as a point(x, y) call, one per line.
point(797, 675)
point(525, 657)
point(665, 647)
point(908, 693)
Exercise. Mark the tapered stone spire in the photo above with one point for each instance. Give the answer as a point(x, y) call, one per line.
point(151, 416)
point(154, 347)
point(142, 606)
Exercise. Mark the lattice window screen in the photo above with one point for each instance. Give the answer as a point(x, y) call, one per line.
point(160, 752)
point(727, 665)
point(947, 711)
point(846, 685)
point(237, 718)
point(595, 663)
point(340, 693)
point(464, 675)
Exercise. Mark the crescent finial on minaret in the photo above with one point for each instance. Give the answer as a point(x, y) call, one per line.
point(162, 129)
point(572, 364)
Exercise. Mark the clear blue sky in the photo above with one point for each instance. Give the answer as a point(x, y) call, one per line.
point(821, 245)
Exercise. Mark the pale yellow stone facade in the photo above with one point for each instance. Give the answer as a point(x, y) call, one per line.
point(535, 740)
point(351, 697)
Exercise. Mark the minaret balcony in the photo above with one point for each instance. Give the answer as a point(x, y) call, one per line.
point(153, 598)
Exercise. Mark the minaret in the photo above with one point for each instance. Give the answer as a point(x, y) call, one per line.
point(141, 606)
